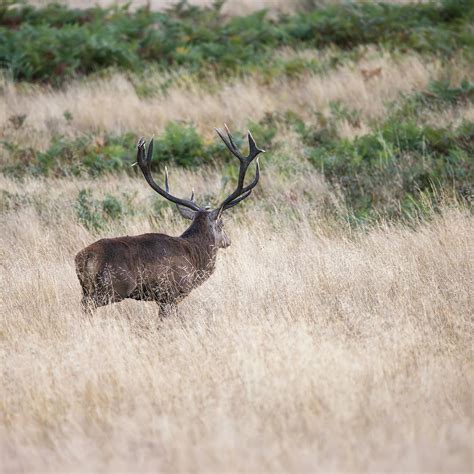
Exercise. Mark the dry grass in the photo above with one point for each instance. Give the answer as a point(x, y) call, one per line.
point(113, 105)
point(314, 347)
point(451, 117)
point(311, 348)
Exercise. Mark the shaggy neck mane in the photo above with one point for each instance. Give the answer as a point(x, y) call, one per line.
point(199, 230)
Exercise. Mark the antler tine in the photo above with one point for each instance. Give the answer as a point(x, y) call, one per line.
point(229, 142)
point(167, 184)
point(241, 192)
point(240, 198)
point(141, 142)
point(254, 150)
point(144, 162)
point(140, 151)
point(149, 153)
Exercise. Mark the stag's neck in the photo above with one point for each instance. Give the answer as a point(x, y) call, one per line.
point(203, 244)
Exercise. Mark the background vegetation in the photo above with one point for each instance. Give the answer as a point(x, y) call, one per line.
point(56, 43)
point(335, 331)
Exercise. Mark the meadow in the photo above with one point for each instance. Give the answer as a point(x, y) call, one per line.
point(336, 332)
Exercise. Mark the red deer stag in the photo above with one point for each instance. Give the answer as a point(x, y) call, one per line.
point(158, 267)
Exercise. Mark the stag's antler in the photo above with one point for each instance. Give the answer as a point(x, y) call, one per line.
point(144, 162)
point(144, 157)
point(241, 192)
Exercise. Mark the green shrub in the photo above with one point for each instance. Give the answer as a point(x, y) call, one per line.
point(88, 211)
point(181, 144)
point(112, 207)
point(12, 201)
point(397, 162)
point(438, 95)
point(64, 157)
point(95, 214)
point(54, 43)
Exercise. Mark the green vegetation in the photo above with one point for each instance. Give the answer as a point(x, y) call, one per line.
point(180, 144)
point(439, 95)
point(96, 214)
point(87, 154)
point(387, 169)
point(55, 43)
point(384, 171)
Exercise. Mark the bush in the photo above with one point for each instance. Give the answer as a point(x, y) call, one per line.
point(96, 214)
point(439, 95)
point(88, 211)
point(65, 157)
point(181, 144)
point(396, 163)
point(54, 43)
point(90, 155)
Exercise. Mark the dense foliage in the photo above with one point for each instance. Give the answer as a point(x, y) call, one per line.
point(55, 43)
point(389, 167)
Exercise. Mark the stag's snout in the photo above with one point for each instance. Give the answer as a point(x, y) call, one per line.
point(226, 241)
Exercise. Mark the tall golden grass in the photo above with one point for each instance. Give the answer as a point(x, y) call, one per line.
point(313, 347)
point(93, 103)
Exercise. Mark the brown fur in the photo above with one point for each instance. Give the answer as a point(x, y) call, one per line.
point(150, 267)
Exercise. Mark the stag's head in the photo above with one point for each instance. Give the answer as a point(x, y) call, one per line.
point(206, 221)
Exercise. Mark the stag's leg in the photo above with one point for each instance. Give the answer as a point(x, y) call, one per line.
point(88, 306)
point(88, 301)
point(106, 290)
point(96, 300)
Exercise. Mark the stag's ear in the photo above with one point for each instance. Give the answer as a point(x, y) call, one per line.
point(185, 212)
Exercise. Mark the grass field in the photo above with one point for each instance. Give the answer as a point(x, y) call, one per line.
point(336, 332)
point(312, 347)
